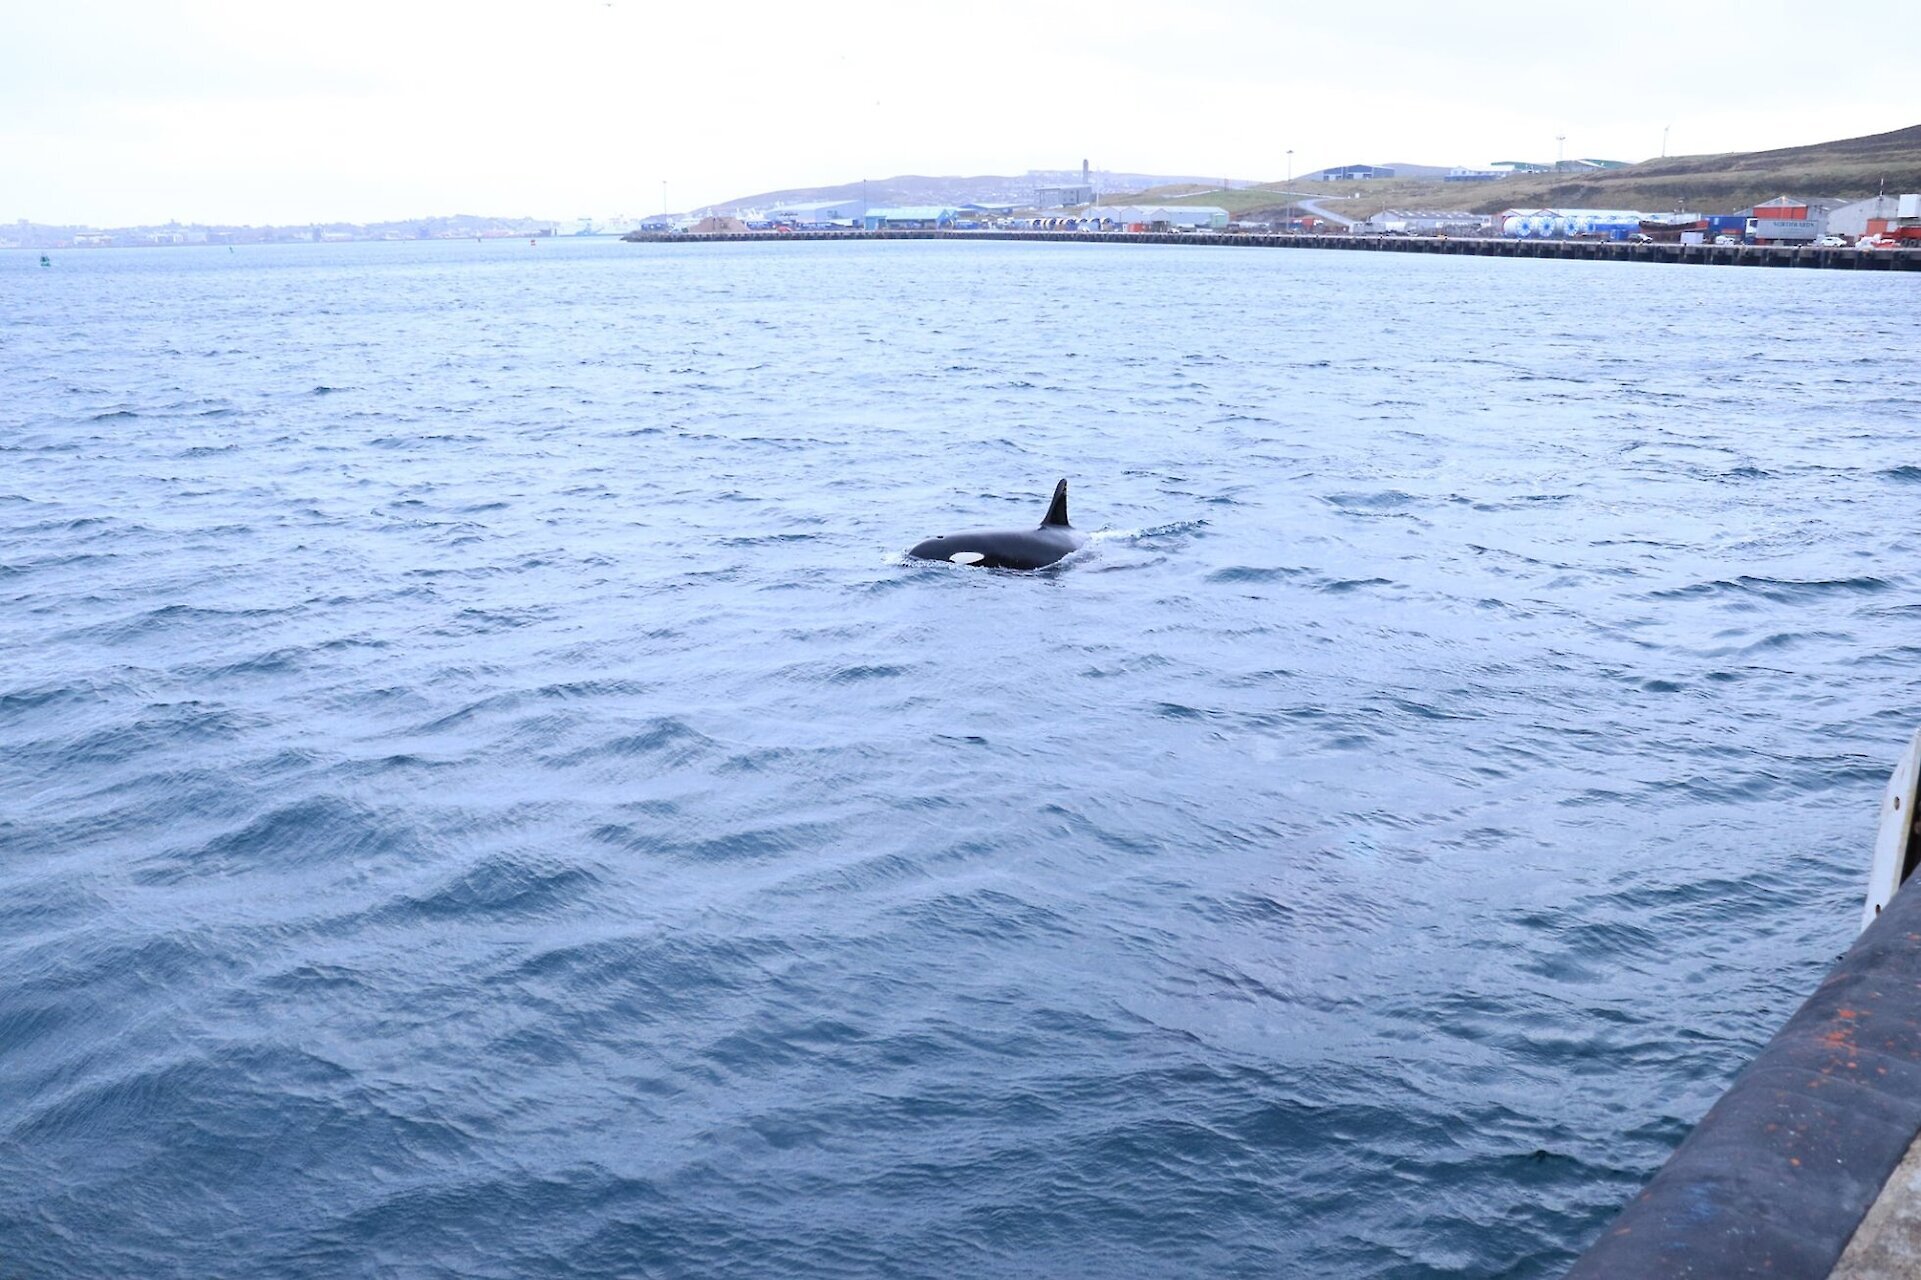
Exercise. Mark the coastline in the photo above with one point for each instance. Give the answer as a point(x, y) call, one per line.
point(1587, 250)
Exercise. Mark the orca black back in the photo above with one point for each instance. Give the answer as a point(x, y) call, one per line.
point(1033, 548)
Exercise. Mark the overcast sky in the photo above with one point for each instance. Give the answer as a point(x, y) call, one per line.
point(118, 112)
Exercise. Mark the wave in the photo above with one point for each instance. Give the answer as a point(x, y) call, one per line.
point(667, 739)
point(1251, 573)
point(1776, 590)
point(500, 886)
point(455, 828)
point(1386, 501)
point(313, 833)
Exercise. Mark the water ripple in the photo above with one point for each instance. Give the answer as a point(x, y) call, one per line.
point(481, 793)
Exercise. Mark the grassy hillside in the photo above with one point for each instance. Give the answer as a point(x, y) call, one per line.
point(915, 189)
point(1848, 169)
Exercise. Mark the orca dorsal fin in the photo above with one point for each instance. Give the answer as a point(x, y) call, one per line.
point(1057, 509)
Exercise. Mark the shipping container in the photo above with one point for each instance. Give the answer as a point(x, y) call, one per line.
point(1797, 230)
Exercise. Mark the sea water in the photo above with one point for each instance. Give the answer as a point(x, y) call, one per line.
point(481, 793)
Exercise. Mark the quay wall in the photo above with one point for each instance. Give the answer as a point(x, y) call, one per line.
point(1780, 1174)
point(1845, 259)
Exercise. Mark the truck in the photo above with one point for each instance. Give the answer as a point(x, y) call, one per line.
point(1904, 232)
point(1783, 230)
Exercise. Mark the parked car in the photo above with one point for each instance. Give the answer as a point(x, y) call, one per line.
point(1832, 242)
point(1727, 239)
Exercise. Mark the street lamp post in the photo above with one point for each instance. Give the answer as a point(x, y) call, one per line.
point(1288, 221)
point(1664, 140)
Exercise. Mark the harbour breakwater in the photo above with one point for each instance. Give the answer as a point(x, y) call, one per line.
point(1592, 250)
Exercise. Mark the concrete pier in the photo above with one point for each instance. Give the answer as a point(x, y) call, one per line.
point(1809, 1167)
point(1718, 255)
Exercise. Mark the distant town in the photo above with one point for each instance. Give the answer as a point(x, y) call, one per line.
point(1876, 222)
point(1036, 193)
point(32, 235)
point(1836, 194)
point(1017, 191)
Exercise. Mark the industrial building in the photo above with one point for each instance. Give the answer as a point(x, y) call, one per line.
point(819, 213)
point(1137, 217)
point(1852, 220)
point(1904, 228)
point(1426, 222)
point(1355, 173)
point(909, 218)
point(1066, 195)
point(1071, 196)
point(1787, 220)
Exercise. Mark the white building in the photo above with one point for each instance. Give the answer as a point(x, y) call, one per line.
point(1158, 217)
point(1852, 219)
point(814, 213)
point(1428, 222)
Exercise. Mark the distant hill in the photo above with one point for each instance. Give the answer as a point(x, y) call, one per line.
point(915, 189)
point(1851, 168)
point(1847, 169)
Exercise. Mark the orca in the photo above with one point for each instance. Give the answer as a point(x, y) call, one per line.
point(1009, 548)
